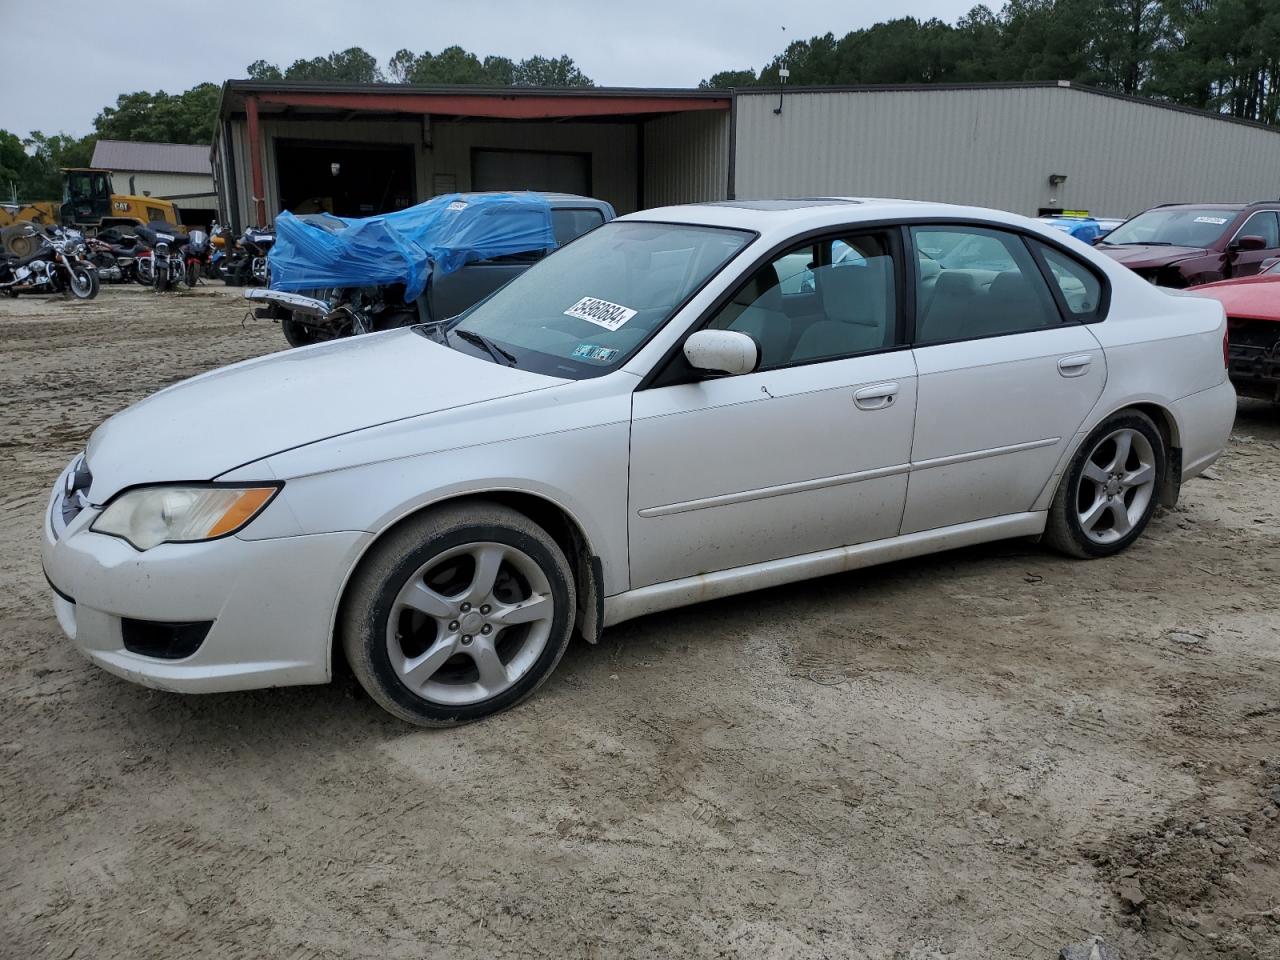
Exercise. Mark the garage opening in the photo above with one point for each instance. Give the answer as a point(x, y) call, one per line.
point(351, 180)
point(531, 170)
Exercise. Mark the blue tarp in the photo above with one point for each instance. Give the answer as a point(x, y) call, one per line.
point(408, 246)
point(1082, 228)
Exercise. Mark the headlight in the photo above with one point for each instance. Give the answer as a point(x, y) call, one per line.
point(149, 516)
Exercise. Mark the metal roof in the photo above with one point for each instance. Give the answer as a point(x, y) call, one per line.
point(152, 157)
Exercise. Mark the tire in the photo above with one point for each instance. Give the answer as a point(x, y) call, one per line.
point(192, 275)
point(300, 334)
point(84, 283)
point(161, 278)
point(459, 662)
point(1103, 505)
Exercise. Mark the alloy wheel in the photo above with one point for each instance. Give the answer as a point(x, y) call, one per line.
point(470, 623)
point(1116, 485)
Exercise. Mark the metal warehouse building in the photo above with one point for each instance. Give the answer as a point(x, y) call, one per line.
point(173, 171)
point(356, 150)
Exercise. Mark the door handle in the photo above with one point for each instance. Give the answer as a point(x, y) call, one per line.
point(1076, 366)
point(876, 397)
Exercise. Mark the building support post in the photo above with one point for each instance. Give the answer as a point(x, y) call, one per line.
point(255, 160)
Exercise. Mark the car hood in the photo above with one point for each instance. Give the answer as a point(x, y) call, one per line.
point(1139, 255)
point(205, 426)
point(1246, 298)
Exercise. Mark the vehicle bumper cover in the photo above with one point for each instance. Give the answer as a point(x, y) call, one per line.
point(1205, 420)
point(272, 603)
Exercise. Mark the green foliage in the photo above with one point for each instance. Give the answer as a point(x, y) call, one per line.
point(159, 117)
point(1219, 55)
point(31, 169)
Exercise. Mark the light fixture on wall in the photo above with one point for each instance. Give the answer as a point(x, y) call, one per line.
point(783, 74)
point(1055, 181)
point(335, 168)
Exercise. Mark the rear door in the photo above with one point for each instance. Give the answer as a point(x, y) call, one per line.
point(1008, 370)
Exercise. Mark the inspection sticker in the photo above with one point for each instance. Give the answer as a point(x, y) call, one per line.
point(601, 312)
point(589, 351)
point(1218, 220)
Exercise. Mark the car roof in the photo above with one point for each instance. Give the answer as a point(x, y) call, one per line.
point(792, 215)
point(1204, 206)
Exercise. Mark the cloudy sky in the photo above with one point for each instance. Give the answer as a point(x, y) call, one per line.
point(78, 55)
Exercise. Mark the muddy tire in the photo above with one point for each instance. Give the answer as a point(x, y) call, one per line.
point(1109, 490)
point(458, 614)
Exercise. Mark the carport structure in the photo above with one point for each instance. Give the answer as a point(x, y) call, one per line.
point(357, 150)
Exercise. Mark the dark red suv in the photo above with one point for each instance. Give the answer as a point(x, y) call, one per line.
point(1184, 244)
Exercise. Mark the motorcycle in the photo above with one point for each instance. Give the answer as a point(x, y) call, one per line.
point(246, 265)
point(218, 251)
point(164, 265)
point(56, 266)
point(196, 255)
point(113, 256)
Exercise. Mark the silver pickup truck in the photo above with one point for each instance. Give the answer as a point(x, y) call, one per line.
point(319, 315)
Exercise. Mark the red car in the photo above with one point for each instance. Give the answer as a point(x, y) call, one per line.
point(1253, 330)
point(1186, 244)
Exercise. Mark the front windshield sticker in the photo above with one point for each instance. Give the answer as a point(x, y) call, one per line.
point(589, 351)
point(1218, 220)
point(602, 313)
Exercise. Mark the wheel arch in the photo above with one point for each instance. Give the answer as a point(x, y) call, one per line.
point(1161, 414)
point(554, 518)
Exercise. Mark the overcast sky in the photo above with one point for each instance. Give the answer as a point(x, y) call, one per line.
point(77, 56)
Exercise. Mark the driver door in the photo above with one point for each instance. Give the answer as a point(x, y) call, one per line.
point(809, 452)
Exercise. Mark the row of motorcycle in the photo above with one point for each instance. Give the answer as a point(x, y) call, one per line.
point(162, 256)
point(157, 255)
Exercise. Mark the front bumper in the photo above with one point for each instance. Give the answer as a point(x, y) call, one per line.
point(271, 602)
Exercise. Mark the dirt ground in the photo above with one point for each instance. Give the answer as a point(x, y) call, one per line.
point(990, 753)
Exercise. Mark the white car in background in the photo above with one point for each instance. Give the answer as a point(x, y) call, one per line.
point(647, 418)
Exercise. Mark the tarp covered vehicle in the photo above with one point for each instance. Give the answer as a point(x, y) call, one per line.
point(338, 276)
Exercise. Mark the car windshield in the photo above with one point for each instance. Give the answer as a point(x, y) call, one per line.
point(586, 308)
point(1179, 227)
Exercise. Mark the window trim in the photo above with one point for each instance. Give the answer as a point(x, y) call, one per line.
point(1104, 298)
point(672, 370)
point(1236, 236)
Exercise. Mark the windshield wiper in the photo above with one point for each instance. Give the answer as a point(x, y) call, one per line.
point(480, 340)
point(1138, 243)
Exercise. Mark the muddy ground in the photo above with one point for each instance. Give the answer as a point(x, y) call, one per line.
point(990, 753)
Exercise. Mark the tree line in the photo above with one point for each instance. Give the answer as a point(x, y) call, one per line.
point(1218, 55)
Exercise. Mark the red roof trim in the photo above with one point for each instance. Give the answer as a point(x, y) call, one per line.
point(508, 108)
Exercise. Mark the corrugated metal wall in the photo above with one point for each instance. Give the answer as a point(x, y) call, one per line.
point(997, 148)
point(686, 158)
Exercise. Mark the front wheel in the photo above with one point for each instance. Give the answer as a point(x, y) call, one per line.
point(1110, 489)
point(193, 274)
point(458, 614)
point(300, 334)
point(84, 284)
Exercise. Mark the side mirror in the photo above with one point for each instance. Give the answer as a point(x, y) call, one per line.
point(722, 351)
point(1250, 242)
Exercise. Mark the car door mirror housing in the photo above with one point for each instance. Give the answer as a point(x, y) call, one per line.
point(722, 351)
point(1250, 242)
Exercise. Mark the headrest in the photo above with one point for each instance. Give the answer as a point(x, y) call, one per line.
point(854, 293)
point(955, 283)
point(928, 268)
point(1011, 286)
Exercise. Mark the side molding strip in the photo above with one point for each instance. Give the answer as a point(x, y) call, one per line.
point(772, 573)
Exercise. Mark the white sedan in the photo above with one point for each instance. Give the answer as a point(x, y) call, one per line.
point(658, 414)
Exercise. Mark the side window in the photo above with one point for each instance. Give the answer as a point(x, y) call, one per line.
point(569, 223)
point(1080, 286)
point(1263, 224)
point(820, 301)
point(972, 282)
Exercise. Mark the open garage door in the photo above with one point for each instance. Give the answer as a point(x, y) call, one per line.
point(351, 180)
point(531, 170)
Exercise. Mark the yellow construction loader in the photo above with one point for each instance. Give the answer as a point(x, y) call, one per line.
point(88, 204)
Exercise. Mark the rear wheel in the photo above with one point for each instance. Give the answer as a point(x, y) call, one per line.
point(1109, 491)
point(301, 334)
point(459, 614)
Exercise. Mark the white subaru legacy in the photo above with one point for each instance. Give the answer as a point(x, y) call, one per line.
point(685, 403)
